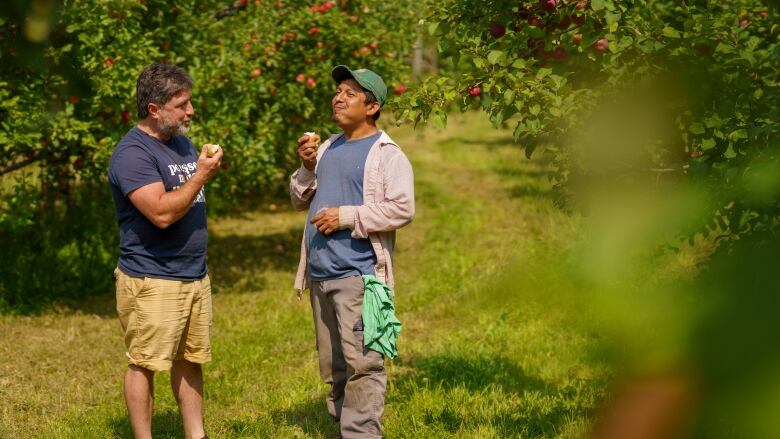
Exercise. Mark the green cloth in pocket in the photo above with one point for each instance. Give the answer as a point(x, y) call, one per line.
point(380, 325)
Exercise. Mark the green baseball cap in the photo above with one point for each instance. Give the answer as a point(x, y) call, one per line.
point(366, 78)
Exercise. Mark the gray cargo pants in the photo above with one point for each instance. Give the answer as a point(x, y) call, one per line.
point(356, 375)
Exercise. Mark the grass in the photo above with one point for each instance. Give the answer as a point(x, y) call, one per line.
point(480, 357)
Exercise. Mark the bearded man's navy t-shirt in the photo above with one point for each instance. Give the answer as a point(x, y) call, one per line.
point(179, 251)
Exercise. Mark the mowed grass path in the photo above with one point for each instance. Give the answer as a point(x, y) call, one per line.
point(479, 357)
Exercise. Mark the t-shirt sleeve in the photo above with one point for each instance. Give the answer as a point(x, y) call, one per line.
point(132, 168)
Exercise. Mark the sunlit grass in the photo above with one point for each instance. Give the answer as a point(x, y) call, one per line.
point(477, 359)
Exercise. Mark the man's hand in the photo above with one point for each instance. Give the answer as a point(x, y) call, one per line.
point(327, 221)
point(307, 151)
point(208, 166)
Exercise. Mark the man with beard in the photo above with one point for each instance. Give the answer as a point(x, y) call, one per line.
point(359, 188)
point(163, 291)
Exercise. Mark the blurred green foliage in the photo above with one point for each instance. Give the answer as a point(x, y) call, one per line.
point(661, 119)
point(547, 71)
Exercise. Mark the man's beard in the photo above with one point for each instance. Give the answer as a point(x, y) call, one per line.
point(170, 129)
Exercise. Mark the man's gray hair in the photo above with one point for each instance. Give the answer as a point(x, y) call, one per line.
point(159, 83)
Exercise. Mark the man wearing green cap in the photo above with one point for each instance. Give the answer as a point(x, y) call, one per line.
point(359, 188)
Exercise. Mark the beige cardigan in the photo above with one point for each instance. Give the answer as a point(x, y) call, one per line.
point(388, 203)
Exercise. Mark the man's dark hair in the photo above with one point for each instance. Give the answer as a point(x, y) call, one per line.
point(370, 99)
point(158, 83)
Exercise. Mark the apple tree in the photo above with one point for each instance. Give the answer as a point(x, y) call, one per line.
point(67, 95)
point(546, 67)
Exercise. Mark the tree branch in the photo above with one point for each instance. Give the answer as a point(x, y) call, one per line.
point(18, 165)
point(230, 9)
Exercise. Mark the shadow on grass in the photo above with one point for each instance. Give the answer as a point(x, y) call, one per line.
point(237, 262)
point(441, 372)
point(498, 142)
point(521, 191)
point(473, 373)
point(478, 374)
point(165, 424)
point(311, 416)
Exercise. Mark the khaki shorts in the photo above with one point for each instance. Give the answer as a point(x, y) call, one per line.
point(164, 320)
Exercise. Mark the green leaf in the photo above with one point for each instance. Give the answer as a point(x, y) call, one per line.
point(542, 73)
point(738, 134)
point(597, 5)
point(696, 128)
point(519, 132)
point(529, 149)
point(509, 96)
point(671, 32)
point(496, 56)
point(440, 118)
point(724, 48)
point(486, 101)
point(534, 109)
point(496, 118)
point(707, 144)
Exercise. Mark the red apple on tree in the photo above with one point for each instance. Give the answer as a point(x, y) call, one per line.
point(536, 44)
point(314, 31)
point(300, 77)
point(109, 62)
point(535, 21)
point(601, 45)
point(475, 91)
point(399, 89)
point(547, 5)
point(255, 72)
point(497, 30)
point(325, 7)
point(310, 82)
point(564, 23)
point(744, 22)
